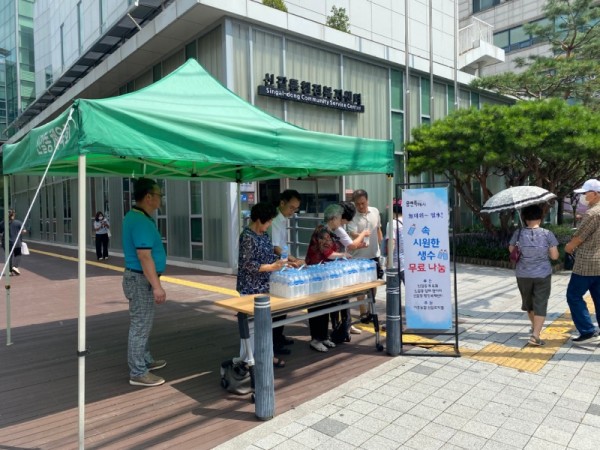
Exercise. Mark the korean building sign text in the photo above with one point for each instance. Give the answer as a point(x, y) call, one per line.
point(314, 94)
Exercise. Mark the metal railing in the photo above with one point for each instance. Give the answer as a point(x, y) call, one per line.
point(476, 31)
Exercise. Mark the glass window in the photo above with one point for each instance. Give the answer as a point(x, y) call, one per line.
point(156, 72)
point(79, 28)
point(398, 132)
point(196, 197)
point(480, 5)
point(475, 99)
point(190, 51)
point(519, 38)
point(425, 97)
point(440, 101)
point(196, 229)
point(397, 90)
point(502, 40)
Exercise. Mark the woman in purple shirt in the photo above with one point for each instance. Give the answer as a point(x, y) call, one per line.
point(534, 270)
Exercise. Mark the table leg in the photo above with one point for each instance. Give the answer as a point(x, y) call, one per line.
point(371, 300)
point(247, 354)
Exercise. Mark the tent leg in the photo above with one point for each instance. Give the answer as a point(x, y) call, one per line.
point(6, 253)
point(81, 337)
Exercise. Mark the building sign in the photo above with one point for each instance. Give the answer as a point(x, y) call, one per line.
point(313, 94)
point(427, 258)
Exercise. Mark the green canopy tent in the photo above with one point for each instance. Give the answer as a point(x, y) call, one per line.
point(185, 125)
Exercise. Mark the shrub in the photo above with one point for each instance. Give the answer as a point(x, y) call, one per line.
point(277, 4)
point(339, 19)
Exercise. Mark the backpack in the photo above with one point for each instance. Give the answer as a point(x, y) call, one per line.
point(341, 330)
point(235, 377)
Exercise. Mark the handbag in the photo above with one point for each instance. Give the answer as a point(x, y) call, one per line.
point(24, 249)
point(569, 261)
point(515, 255)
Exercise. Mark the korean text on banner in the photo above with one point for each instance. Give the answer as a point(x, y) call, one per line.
point(427, 258)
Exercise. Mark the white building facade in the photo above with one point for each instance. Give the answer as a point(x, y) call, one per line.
point(399, 61)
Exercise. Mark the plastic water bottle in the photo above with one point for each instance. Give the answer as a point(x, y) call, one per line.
point(275, 284)
point(284, 253)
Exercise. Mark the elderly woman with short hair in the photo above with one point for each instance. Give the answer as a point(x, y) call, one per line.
point(324, 246)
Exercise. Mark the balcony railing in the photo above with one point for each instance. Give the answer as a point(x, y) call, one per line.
point(470, 36)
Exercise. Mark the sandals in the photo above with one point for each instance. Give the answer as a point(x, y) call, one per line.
point(318, 346)
point(278, 362)
point(536, 341)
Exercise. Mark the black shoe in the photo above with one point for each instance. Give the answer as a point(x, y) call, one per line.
point(588, 337)
point(366, 318)
point(281, 350)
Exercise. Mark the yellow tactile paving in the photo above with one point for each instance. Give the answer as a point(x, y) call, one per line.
point(528, 358)
point(173, 280)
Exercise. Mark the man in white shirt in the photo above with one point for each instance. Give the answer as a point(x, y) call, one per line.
point(289, 203)
point(366, 218)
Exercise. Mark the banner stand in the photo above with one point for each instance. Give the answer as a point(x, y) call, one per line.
point(427, 332)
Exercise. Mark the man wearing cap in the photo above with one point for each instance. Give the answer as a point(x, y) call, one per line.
point(145, 261)
point(586, 271)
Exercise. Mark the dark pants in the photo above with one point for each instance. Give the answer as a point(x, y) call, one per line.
point(102, 246)
point(319, 325)
point(278, 332)
point(16, 255)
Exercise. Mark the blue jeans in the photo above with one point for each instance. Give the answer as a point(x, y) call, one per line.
point(578, 286)
point(138, 291)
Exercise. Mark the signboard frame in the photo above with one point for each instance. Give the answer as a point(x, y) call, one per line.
point(426, 332)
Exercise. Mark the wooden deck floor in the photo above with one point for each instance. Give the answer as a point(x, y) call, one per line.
point(38, 372)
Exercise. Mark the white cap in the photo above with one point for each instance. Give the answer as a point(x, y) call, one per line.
point(590, 185)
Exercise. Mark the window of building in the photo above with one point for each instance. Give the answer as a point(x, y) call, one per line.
point(480, 5)
point(79, 28)
point(67, 219)
point(516, 38)
point(62, 45)
point(196, 228)
point(102, 15)
point(49, 76)
point(161, 214)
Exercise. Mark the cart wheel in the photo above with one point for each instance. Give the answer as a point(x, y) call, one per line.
point(379, 347)
point(252, 399)
point(224, 383)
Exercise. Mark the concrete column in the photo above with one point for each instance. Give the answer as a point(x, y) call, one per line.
point(263, 348)
point(392, 310)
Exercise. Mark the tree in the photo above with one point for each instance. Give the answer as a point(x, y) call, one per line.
point(277, 4)
point(339, 19)
point(570, 71)
point(545, 143)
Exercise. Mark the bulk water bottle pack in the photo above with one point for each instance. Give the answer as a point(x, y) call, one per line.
point(290, 283)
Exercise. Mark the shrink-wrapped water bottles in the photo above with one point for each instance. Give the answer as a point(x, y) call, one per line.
point(291, 283)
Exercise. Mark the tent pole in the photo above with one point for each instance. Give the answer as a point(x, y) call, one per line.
point(390, 244)
point(81, 338)
point(6, 254)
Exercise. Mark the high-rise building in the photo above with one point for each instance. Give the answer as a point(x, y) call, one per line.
point(399, 59)
point(17, 86)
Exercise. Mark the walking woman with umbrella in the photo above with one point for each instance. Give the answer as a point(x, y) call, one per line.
point(536, 246)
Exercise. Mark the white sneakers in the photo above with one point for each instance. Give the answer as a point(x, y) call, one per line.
point(321, 346)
